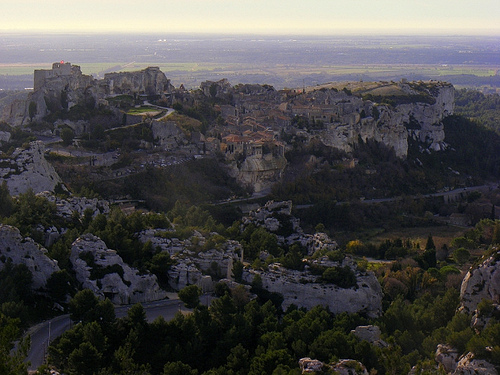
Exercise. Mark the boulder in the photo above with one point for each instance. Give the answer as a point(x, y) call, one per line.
point(19, 250)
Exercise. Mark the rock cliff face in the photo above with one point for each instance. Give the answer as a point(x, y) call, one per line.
point(481, 282)
point(303, 290)
point(28, 169)
point(150, 81)
point(259, 172)
point(392, 125)
point(103, 271)
point(19, 250)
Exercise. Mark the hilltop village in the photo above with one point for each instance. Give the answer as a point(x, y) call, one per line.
point(134, 189)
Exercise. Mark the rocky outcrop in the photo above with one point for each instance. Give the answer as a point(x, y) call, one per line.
point(481, 282)
point(150, 81)
point(468, 365)
point(27, 169)
point(276, 217)
point(303, 289)
point(308, 365)
point(168, 134)
point(103, 271)
point(67, 207)
point(369, 333)
point(416, 111)
point(349, 367)
point(341, 367)
point(192, 262)
point(19, 250)
point(259, 172)
point(447, 356)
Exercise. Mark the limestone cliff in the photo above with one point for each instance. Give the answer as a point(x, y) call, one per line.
point(304, 290)
point(19, 250)
point(481, 282)
point(390, 114)
point(103, 271)
point(28, 169)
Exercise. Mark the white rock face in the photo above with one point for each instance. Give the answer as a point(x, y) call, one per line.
point(369, 333)
point(447, 357)
point(25, 251)
point(124, 288)
point(28, 169)
point(468, 365)
point(168, 134)
point(259, 172)
point(394, 125)
point(481, 282)
point(303, 290)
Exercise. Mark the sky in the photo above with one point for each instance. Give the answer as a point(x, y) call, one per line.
point(307, 17)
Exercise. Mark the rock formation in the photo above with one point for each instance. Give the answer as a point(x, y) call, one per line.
point(447, 357)
point(28, 169)
point(304, 290)
point(19, 250)
point(417, 113)
point(481, 282)
point(369, 333)
point(341, 367)
point(66, 207)
point(468, 365)
point(192, 264)
point(103, 271)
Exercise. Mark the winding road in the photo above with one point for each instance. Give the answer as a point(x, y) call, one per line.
point(47, 331)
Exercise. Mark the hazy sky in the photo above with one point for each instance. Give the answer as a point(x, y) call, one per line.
point(254, 16)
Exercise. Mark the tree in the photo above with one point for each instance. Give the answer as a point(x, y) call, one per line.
point(190, 295)
point(237, 271)
point(11, 363)
point(32, 110)
point(178, 368)
point(461, 255)
point(67, 136)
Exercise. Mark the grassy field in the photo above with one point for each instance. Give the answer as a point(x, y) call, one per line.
point(440, 234)
point(101, 68)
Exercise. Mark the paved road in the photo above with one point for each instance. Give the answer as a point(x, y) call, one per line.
point(451, 193)
point(51, 329)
